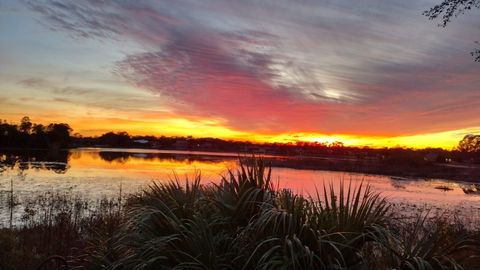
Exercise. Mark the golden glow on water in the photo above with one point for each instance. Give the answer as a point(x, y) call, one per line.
point(93, 175)
point(147, 167)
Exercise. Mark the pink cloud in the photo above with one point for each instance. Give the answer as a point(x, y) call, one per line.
point(371, 68)
point(203, 77)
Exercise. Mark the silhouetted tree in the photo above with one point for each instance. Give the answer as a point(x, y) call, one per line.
point(119, 139)
point(448, 9)
point(38, 136)
point(25, 125)
point(38, 129)
point(469, 143)
point(58, 135)
point(9, 135)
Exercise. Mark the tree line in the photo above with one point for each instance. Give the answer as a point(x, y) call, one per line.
point(32, 135)
point(58, 136)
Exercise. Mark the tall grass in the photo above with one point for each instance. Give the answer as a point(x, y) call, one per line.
point(56, 224)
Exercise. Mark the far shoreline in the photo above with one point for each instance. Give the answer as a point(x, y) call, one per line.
point(462, 172)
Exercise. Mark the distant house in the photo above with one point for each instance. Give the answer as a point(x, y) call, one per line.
point(141, 141)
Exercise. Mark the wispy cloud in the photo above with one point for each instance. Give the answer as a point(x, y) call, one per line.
point(372, 67)
point(34, 82)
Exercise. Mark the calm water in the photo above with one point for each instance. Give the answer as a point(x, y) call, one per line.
point(97, 173)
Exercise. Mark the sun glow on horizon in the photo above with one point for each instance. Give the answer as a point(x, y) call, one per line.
point(214, 129)
point(446, 140)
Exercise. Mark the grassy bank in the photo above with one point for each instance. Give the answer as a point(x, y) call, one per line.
point(57, 224)
point(243, 222)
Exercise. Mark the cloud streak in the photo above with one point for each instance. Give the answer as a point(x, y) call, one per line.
point(375, 68)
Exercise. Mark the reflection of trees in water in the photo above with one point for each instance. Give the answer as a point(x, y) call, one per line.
point(35, 160)
point(120, 157)
point(75, 155)
point(124, 157)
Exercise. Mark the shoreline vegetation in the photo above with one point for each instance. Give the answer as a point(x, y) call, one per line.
point(243, 222)
point(460, 164)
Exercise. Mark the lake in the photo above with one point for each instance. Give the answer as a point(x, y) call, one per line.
point(95, 173)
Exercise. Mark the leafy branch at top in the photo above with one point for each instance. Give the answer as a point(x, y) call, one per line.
point(453, 8)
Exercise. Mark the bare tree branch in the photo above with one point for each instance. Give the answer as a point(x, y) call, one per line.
point(449, 9)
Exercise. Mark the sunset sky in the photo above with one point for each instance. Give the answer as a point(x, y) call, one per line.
point(373, 72)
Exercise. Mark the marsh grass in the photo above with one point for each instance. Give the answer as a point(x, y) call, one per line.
point(242, 222)
point(56, 224)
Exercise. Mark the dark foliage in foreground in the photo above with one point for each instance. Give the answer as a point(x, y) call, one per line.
point(58, 224)
point(244, 222)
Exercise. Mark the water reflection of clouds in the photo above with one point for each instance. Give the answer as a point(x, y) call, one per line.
point(112, 166)
point(124, 157)
point(60, 162)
